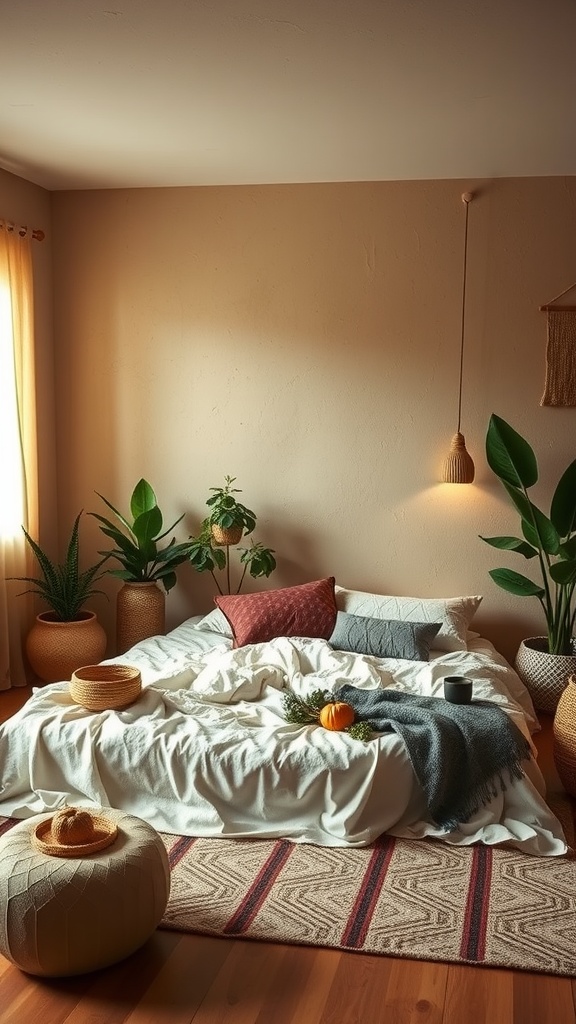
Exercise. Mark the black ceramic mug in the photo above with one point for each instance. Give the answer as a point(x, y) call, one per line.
point(457, 689)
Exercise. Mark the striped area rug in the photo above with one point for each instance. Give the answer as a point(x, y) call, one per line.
point(420, 899)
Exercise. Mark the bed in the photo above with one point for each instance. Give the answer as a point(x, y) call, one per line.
point(206, 750)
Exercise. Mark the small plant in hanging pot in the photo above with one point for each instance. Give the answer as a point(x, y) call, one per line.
point(228, 522)
point(551, 541)
point(229, 519)
point(146, 564)
point(67, 636)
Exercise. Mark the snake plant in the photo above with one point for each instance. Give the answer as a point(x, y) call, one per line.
point(62, 586)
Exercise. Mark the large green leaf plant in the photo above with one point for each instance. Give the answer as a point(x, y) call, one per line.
point(551, 539)
point(138, 540)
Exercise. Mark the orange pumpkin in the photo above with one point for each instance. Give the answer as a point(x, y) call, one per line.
point(336, 716)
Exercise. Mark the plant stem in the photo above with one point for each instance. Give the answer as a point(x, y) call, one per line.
point(242, 579)
point(220, 591)
point(544, 560)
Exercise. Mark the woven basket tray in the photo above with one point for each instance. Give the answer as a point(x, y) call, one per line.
point(105, 687)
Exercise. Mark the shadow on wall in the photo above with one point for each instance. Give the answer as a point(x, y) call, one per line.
point(506, 635)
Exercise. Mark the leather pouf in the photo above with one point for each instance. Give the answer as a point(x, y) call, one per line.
point(69, 915)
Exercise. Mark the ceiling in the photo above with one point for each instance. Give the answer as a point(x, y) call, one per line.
point(132, 93)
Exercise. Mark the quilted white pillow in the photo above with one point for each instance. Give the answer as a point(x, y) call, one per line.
point(217, 622)
point(455, 613)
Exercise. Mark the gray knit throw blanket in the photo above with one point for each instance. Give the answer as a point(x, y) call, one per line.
point(462, 754)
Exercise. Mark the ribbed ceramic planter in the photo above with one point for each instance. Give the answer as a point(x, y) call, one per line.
point(565, 737)
point(544, 675)
point(140, 613)
point(55, 649)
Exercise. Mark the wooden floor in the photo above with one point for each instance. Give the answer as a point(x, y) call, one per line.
point(176, 979)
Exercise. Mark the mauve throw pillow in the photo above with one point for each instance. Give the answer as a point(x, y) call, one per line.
point(383, 638)
point(305, 610)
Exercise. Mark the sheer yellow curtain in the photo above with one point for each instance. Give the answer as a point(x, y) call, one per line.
point(18, 458)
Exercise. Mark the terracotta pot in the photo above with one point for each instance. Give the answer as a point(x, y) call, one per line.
point(565, 737)
point(140, 613)
point(544, 675)
point(226, 537)
point(55, 649)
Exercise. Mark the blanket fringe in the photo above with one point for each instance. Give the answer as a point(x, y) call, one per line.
point(483, 795)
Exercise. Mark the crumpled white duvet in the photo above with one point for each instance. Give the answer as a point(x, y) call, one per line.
point(206, 750)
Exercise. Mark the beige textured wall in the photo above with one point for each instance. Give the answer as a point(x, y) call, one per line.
point(305, 339)
point(25, 203)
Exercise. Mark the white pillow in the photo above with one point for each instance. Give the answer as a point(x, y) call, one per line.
point(216, 622)
point(454, 613)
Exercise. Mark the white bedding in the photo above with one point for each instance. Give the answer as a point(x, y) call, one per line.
point(206, 750)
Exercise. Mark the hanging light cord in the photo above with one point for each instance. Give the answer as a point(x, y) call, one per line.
point(466, 198)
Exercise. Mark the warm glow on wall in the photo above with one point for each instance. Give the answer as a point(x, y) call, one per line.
point(11, 505)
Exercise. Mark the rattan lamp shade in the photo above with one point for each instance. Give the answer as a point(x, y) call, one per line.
point(458, 466)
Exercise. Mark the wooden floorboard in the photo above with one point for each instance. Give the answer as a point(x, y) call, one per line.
point(180, 978)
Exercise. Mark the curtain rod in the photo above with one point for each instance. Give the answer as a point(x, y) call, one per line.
point(36, 233)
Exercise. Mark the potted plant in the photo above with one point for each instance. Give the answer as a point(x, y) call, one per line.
point(545, 662)
point(68, 636)
point(145, 563)
point(228, 521)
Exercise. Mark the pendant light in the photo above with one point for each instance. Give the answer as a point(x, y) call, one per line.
point(458, 466)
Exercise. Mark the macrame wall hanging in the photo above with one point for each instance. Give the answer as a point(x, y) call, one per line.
point(560, 383)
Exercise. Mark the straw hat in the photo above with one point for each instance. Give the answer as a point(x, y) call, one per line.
point(74, 832)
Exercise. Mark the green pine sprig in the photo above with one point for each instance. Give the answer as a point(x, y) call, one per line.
point(307, 712)
point(360, 731)
point(303, 712)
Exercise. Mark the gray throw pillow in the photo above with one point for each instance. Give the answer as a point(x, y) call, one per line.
point(383, 638)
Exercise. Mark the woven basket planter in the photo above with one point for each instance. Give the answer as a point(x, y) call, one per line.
point(105, 687)
point(565, 737)
point(544, 675)
point(140, 613)
point(54, 649)
point(226, 537)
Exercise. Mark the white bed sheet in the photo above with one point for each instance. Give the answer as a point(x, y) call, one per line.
point(206, 750)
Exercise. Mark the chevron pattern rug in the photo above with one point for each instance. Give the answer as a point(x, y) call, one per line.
point(420, 899)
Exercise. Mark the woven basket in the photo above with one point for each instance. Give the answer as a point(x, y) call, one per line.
point(226, 537)
point(565, 737)
point(544, 675)
point(105, 687)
